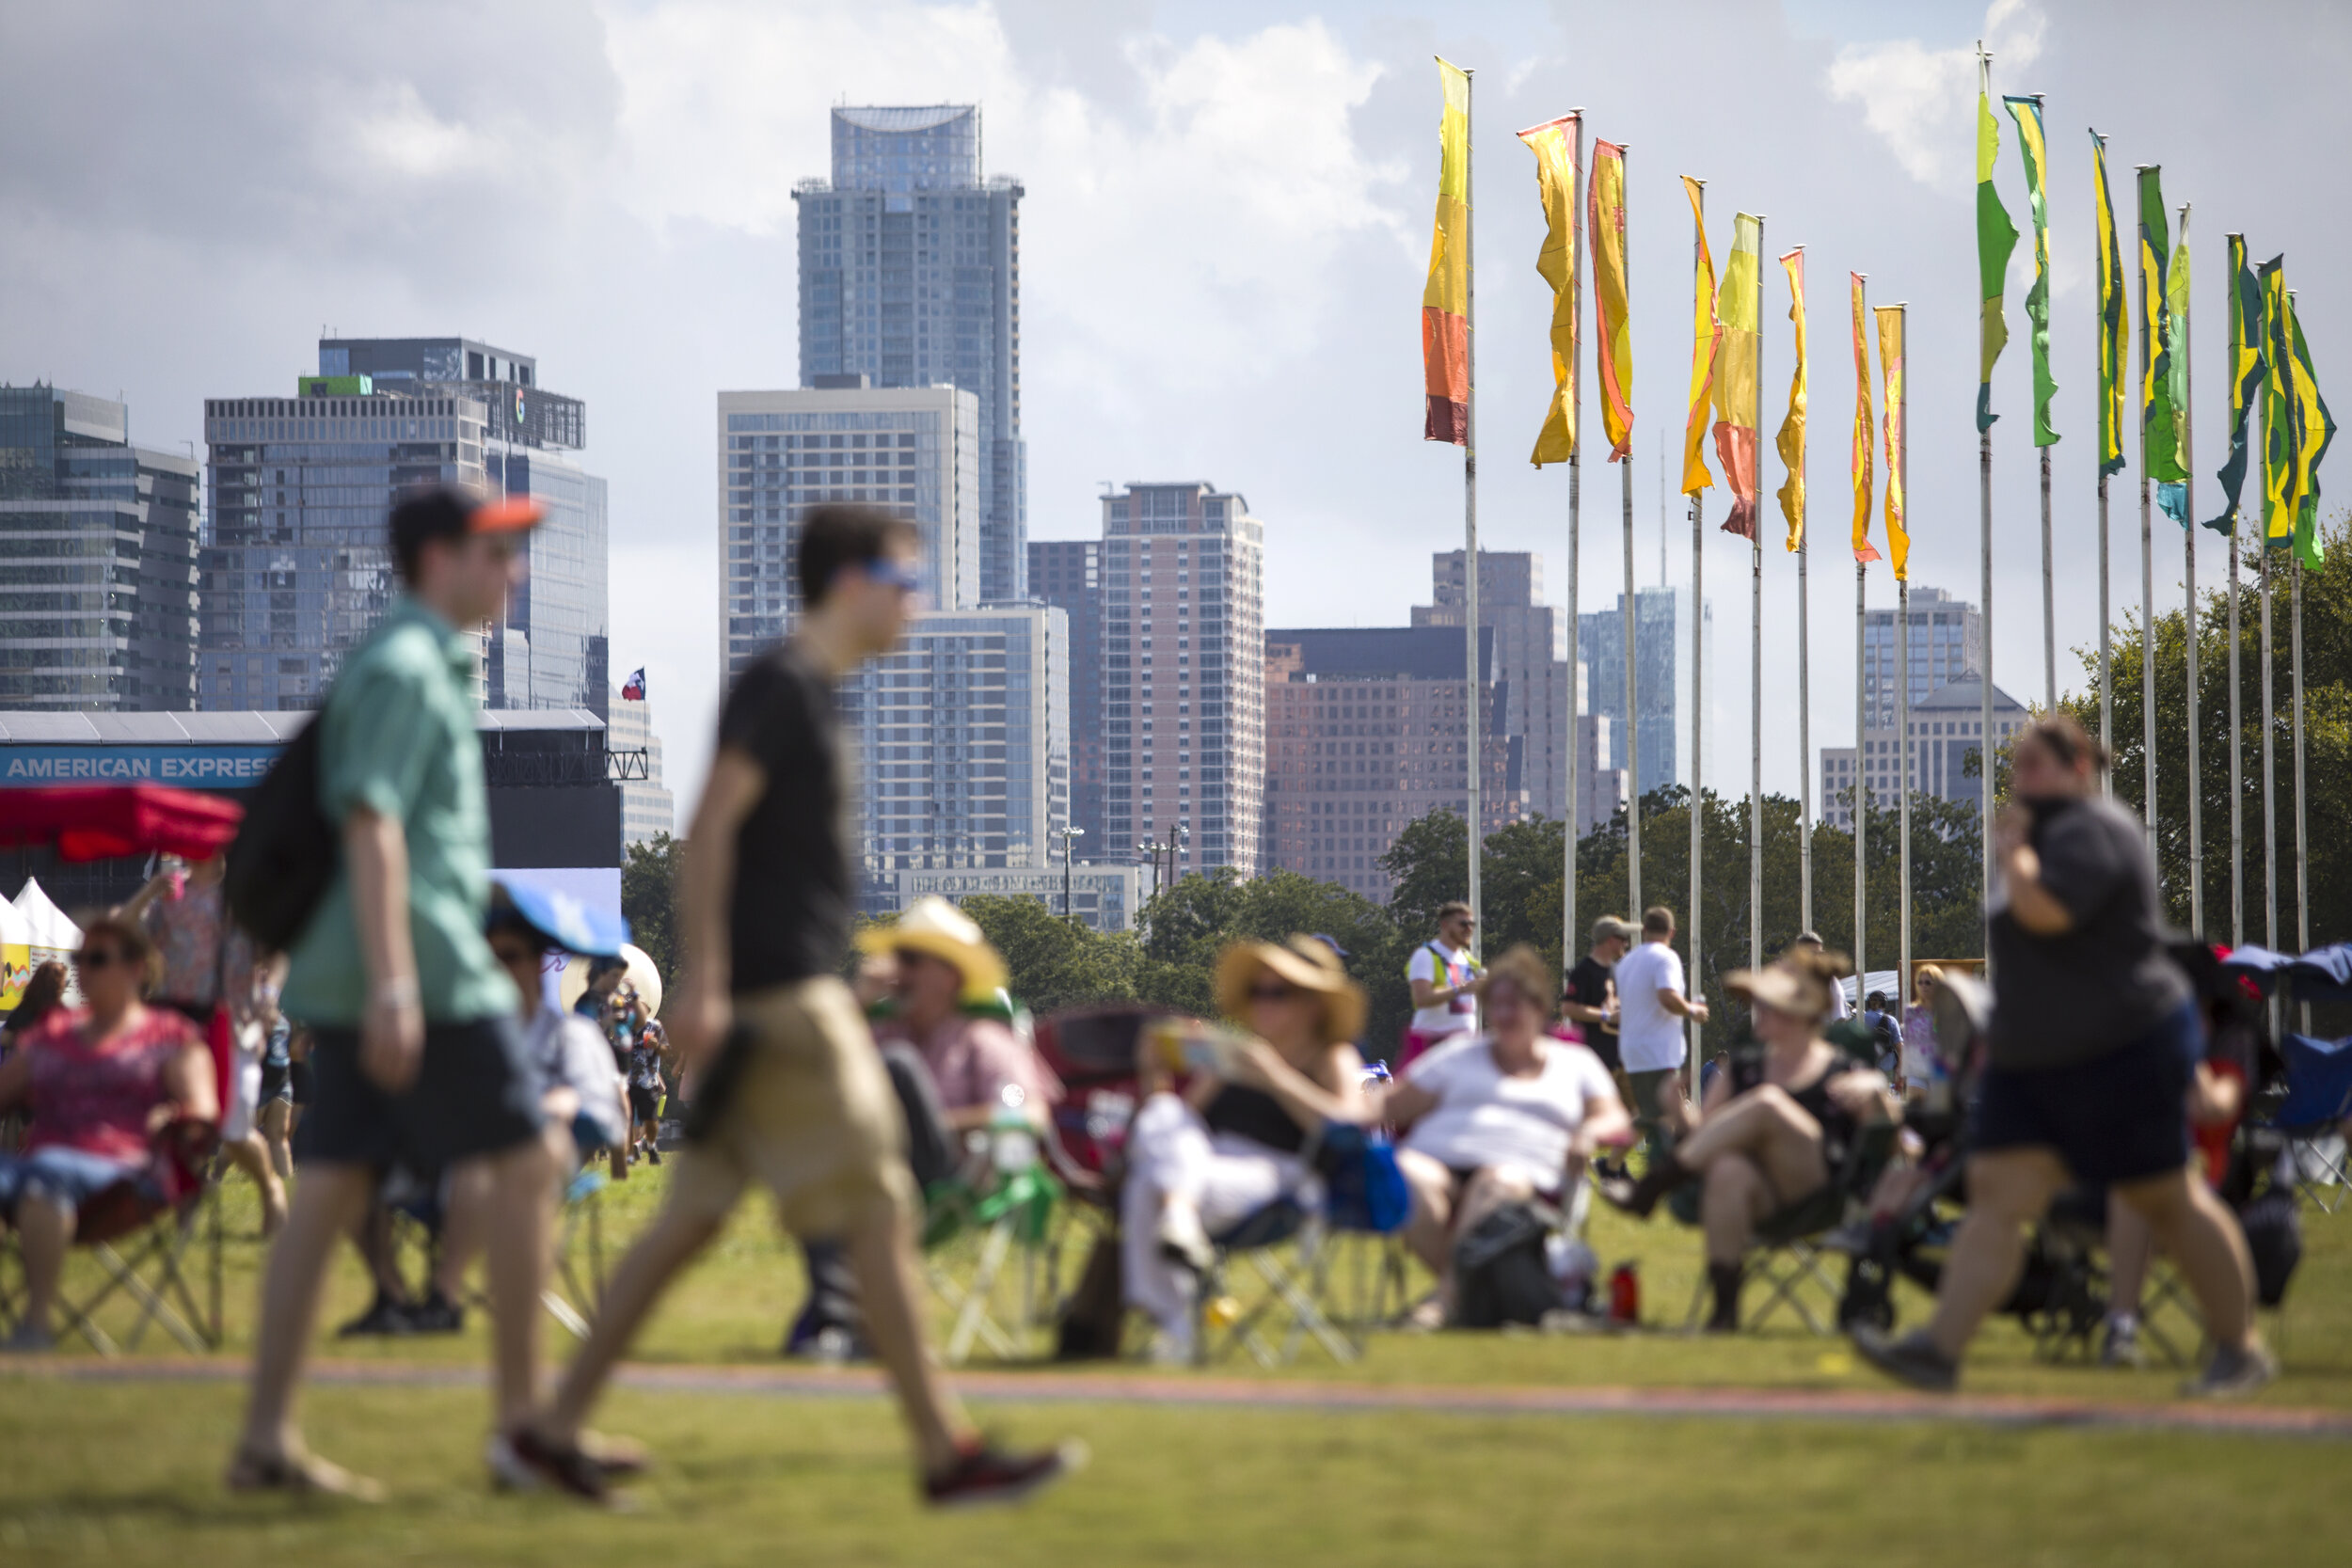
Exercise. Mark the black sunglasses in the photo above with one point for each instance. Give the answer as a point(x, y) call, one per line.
point(98, 957)
point(1272, 992)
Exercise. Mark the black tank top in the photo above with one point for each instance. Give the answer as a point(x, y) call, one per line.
point(1837, 1127)
point(1255, 1115)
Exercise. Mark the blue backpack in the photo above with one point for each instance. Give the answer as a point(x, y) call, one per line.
point(1364, 1188)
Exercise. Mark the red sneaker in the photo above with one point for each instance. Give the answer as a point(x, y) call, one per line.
point(987, 1475)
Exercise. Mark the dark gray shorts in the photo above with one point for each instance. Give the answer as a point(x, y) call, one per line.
point(476, 1094)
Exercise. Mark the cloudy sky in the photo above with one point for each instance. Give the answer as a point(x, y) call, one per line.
point(1226, 229)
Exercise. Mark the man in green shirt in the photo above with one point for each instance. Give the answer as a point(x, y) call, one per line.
point(417, 1060)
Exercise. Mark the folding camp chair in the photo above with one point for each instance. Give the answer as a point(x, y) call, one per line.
point(577, 1293)
point(988, 1252)
point(2317, 1105)
point(1788, 1256)
point(1284, 1244)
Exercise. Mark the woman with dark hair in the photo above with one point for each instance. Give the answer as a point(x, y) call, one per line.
point(2093, 1043)
point(100, 1082)
point(43, 994)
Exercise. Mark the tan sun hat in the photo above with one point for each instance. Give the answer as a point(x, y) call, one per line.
point(1781, 988)
point(1308, 962)
point(935, 927)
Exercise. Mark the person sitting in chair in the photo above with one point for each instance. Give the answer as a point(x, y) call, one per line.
point(1236, 1140)
point(1773, 1132)
point(1500, 1118)
point(100, 1083)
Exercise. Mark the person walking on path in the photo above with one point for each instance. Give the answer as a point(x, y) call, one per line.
point(1445, 979)
point(2093, 1043)
point(1651, 1004)
point(792, 1095)
point(417, 1059)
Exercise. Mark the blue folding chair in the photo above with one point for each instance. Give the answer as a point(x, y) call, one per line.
point(2318, 1102)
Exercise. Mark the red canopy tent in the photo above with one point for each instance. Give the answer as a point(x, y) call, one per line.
point(101, 822)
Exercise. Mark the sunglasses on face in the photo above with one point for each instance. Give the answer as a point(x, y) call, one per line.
point(97, 958)
point(893, 574)
point(1272, 993)
point(511, 955)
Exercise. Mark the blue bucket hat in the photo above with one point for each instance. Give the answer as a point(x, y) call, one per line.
point(563, 920)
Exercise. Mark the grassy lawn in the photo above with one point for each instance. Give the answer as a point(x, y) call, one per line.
point(125, 1473)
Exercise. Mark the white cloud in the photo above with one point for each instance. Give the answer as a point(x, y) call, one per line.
point(1920, 101)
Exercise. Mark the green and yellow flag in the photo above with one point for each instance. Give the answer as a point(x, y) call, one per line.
point(2279, 502)
point(1791, 442)
point(1891, 365)
point(2113, 332)
point(1737, 342)
point(1996, 238)
point(2315, 428)
point(1862, 463)
point(1445, 300)
point(2247, 368)
point(2031, 147)
point(1554, 143)
point(2159, 426)
point(1705, 333)
point(1613, 334)
point(2173, 495)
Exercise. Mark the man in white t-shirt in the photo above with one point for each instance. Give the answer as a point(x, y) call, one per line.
point(1445, 981)
point(1839, 1007)
point(1651, 1006)
point(1498, 1117)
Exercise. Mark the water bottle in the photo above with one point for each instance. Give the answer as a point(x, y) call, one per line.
point(1625, 1294)
point(1012, 1142)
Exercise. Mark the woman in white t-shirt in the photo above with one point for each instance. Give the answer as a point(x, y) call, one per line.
point(1498, 1117)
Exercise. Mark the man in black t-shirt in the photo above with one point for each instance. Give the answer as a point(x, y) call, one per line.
point(1588, 999)
point(791, 1094)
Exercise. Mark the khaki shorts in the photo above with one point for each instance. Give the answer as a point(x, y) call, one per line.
point(812, 1118)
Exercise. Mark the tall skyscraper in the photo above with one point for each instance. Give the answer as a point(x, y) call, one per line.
point(647, 808)
point(908, 450)
point(1946, 645)
point(98, 540)
point(961, 740)
point(1947, 733)
point(1183, 661)
point(1067, 574)
point(910, 275)
point(296, 567)
point(1661, 636)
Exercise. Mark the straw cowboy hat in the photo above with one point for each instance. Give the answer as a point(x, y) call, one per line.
point(933, 925)
point(1783, 988)
point(1308, 962)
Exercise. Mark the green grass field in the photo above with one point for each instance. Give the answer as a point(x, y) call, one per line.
point(126, 1472)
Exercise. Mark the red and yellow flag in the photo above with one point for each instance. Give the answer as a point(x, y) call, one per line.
point(1862, 436)
point(1790, 442)
point(1891, 363)
point(1554, 145)
point(1445, 303)
point(1737, 342)
point(1612, 333)
point(1705, 333)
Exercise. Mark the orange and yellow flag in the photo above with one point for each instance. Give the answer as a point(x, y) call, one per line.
point(1705, 332)
point(1891, 364)
point(1738, 338)
point(1864, 552)
point(1790, 442)
point(1554, 143)
point(1612, 336)
point(1445, 301)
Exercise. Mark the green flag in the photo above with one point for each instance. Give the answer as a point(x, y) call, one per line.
point(2159, 430)
point(2112, 328)
point(2026, 112)
point(2315, 428)
point(2173, 495)
point(2246, 370)
point(1996, 238)
point(2279, 502)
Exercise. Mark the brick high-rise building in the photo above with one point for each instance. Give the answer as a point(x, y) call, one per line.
point(1183, 674)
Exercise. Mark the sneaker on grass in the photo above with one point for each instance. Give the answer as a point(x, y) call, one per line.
point(1912, 1360)
point(2232, 1373)
point(987, 1475)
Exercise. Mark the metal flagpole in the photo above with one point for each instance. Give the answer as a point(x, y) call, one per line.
point(1471, 684)
point(1698, 710)
point(2302, 863)
point(2188, 545)
point(2049, 612)
point(2107, 654)
point(1570, 815)
point(1632, 689)
point(1756, 637)
point(2237, 738)
point(2271, 779)
point(1805, 718)
point(1861, 760)
point(1984, 687)
point(1902, 662)
point(2146, 583)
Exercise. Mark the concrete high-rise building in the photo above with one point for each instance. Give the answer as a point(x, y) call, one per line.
point(1661, 648)
point(97, 542)
point(297, 566)
point(1067, 574)
point(961, 741)
point(1183, 674)
point(907, 449)
point(647, 808)
point(1947, 731)
point(1946, 645)
point(910, 275)
point(1367, 730)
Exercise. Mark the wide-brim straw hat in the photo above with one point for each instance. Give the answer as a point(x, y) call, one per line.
point(1782, 988)
point(1307, 962)
point(934, 926)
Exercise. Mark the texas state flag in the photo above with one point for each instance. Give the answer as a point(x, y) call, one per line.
point(633, 689)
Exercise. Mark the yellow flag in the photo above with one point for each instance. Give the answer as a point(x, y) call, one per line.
point(1554, 145)
point(1891, 365)
point(1612, 338)
point(1738, 341)
point(1445, 300)
point(1790, 442)
point(1705, 331)
point(1864, 466)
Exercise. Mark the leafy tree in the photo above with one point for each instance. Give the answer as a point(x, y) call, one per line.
point(1054, 963)
point(649, 901)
